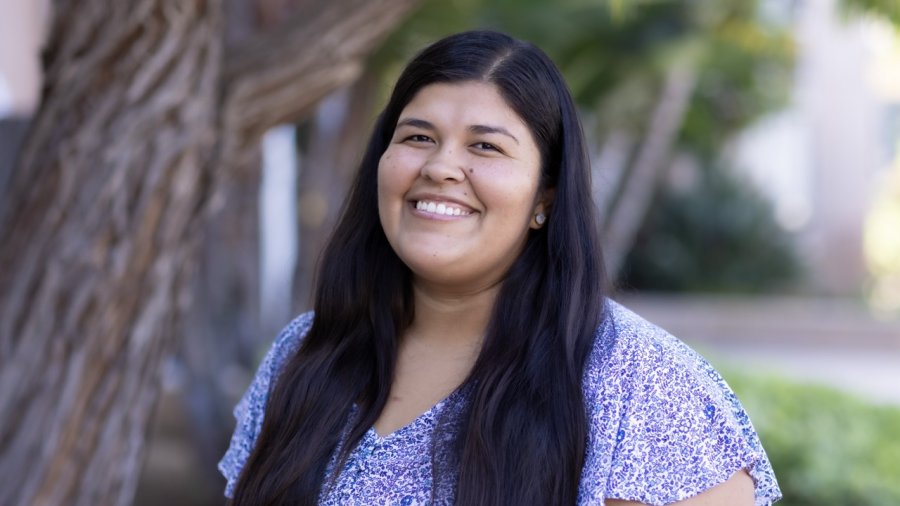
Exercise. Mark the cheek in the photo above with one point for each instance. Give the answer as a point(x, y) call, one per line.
point(511, 190)
point(396, 171)
point(387, 178)
point(384, 168)
point(394, 181)
point(384, 187)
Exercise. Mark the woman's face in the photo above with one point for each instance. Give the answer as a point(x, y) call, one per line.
point(458, 185)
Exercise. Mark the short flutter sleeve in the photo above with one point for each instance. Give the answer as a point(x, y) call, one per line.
point(664, 425)
point(250, 409)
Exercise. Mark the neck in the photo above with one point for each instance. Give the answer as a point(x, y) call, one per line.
point(451, 318)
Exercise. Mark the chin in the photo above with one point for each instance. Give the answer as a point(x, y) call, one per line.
point(433, 269)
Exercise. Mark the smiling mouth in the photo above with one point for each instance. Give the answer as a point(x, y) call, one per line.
point(441, 208)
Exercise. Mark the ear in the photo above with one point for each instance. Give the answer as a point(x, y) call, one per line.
point(542, 207)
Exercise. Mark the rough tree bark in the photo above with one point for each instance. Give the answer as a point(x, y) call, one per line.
point(143, 113)
point(105, 192)
point(223, 323)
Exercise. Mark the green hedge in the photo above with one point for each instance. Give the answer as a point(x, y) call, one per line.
point(827, 447)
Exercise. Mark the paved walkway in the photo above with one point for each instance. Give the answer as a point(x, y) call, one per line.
point(836, 342)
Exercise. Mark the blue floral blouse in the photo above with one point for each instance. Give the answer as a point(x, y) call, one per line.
point(664, 426)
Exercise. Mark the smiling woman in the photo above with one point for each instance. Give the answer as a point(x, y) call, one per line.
point(462, 350)
point(457, 186)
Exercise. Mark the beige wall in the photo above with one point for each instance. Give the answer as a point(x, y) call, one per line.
point(819, 158)
point(22, 26)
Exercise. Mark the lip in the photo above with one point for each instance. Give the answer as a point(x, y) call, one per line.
point(431, 197)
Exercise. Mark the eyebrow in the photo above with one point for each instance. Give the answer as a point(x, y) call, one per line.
point(416, 122)
point(478, 129)
point(487, 129)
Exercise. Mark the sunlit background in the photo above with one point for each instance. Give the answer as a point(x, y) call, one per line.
point(747, 171)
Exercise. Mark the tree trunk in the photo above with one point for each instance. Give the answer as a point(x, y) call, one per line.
point(12, 133)
point(639, 183)
point(95, 234)
point(141, 110)
point(222, 334)
point(334, 149)
point(223, 324)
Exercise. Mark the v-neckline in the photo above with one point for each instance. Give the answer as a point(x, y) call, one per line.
point(428, 413)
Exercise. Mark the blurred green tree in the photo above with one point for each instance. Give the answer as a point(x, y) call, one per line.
point(720, 235)
point(888, 10)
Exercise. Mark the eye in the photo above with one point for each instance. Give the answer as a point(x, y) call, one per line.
point(418, 138)
point(486, 146)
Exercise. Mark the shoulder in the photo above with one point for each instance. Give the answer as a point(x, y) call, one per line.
point(664, 425)
point(631, 352)
point(284, 345)
point(250, 409)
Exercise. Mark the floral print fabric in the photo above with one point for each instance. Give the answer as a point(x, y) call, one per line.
point(664, 426)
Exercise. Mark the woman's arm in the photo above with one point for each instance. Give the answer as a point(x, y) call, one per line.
point(736, 491)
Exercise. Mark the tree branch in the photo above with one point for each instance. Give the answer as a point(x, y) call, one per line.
point(279, 75)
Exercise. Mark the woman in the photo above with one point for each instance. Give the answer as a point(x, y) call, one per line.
point(462, 350)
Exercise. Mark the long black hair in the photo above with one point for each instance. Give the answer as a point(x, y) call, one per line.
point(521, 436)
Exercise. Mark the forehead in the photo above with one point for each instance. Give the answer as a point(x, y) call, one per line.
point(465, 103)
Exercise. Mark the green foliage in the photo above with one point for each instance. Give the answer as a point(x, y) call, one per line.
point(718, 236)
point(746, 73)
point(886, 9)
point(614, 55)
point(615, 52)
point(827, 447)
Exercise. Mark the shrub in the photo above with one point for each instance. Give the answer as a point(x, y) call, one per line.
point(720, 236)
point(827, 447)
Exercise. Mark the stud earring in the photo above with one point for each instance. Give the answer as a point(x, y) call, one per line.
point(540, 218)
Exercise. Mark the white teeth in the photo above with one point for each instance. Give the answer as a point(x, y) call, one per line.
point(440, 208)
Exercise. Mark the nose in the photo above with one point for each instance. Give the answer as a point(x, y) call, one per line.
point(444, 166)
